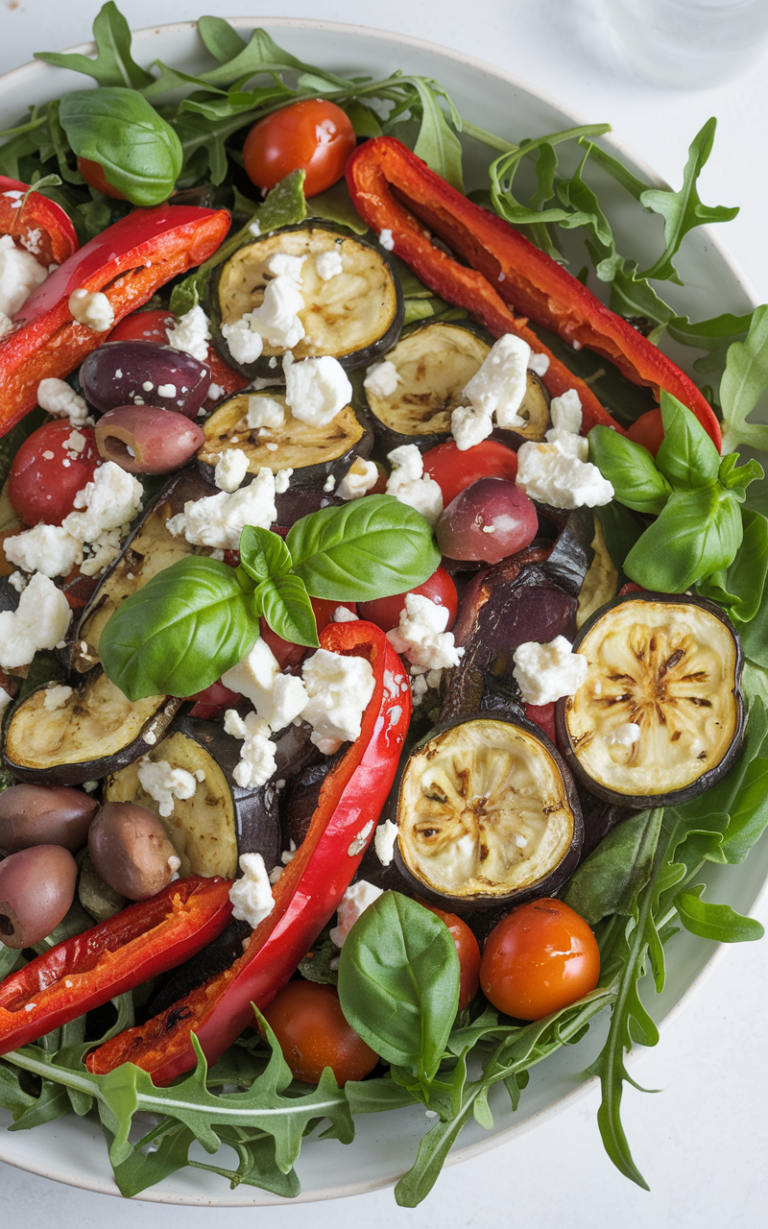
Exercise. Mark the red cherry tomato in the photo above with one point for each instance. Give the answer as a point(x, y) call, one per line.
point(648, 430)
point(314, 136)
point(93, 174)
point(213, 700)
point(47, 474)
point(144, 326)
point(385, 611)
point(543, 715)
point(542, 957)
point(454, 471)
point(307, 1020)
point(468, 950)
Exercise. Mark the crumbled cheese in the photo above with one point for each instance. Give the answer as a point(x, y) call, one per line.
point(624, 735)
point(147, 386)
point(316, 389)
point(18, 582)
point(31, 241)
point(265, 412)
point(110, 501)
point(277, 698)
point(419, 689)
point(384, 842)
point(339, 689)
point(355, 901)
point(231, 468)
point(93, 309)
point(569, 444)
point(58, 398)
point(386, 240)
point(358, 480)
point(283, 264)
point(381, 379)
point(565, 411)
point(328, 264)
point(20, 274)
point(547, 473)
point(421, 635)
point(254, 228)
point(546, 672)
point(342, 614)
point(251, 896)
point(360, 840)
point(275, 321)
point(215, 393)
point(75, 442)
point(166, 390)
point(257, 754)
point(39, 622)
point(538, 364)
point(499, 386)
point(283, 481)
point(191, 334)
point(45, 548)
point(329, 484)
point(90, 787)
point(218, 520)
point(56, 697)
point(5, 700)
point(470, 426)
point(407, 483)
point(164, 783)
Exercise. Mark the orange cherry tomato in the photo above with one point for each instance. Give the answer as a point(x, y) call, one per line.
point(307, 1020)
point(385, 611)
point(454, 470)
point(313, 135)
point(468, 950)
point(648, 430)
point(93, 174)
point(540, 958)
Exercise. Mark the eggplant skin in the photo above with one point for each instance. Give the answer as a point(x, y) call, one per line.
point(545, 828)
point(653, 699)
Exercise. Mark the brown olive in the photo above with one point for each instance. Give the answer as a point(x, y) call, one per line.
point(37, 887)
point(145, 440)
point(130, 850)
point(44, 815)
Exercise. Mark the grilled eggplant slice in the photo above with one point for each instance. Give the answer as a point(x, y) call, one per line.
point(660, 717)
point(313, 453)
point(354, 316)
point(487, 815)
point(95, 731)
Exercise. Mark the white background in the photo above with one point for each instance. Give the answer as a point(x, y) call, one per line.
point(702, 1141)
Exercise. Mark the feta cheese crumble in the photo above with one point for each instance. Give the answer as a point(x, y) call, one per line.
point(40, 621)
point(421, 636)
point(552, 474)
point(565, 411)
point(355, 901)
point(384, 842)
point(470, 426)
point(408, 484)
point(316, 389)
point(381, 379)
point(546, 672)
point(328, 264)
point(265, 412)
point(93, 309)
point(283, 264)
point(277, 698)
point(386, 240)
point(339, 690)
point(231, 468)
point(275, 321)
point(191, 334)
point(218, 520)
point(165, 783)
point(5, 700)
point(45, 548)
point(358, 480)
point(257, 754)
point(56, 697)
point(538, 364)
point(251, 896)
point(20, 274)
point(499, 386)
point(58, 398)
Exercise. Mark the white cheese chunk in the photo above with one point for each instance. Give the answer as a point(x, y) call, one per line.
point(56, 697)
point(251, 895)
point(231, 468)
point(538, 364)
point(283, 264)
point(45, 548)
point(470, 426)
point(339, 689)
point(381, 379)
point(277, 698)
point(93, 309)
point(384, 842)
point(58, 398)
point(386, 240)
point(316, 389)
point(39, 622)
point(499, 386)
point(547, 473)
point(265, 412)
point(421, 636)
point(355, 901)
point(191, 334)
point(358, 480)
point(5, 700)
point(257, 754)
point(408, 484)
point(165, 783)
point(275, 321)
point(218, 520)
point(110, 501)
point(565, 411)
point(20, 274)
point(328, 264)
point(546, 672)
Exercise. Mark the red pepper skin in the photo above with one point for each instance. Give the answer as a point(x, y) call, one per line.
point(505, 269)
point(87, 970)
point(127, 262)
point(40, 225)
point(306, 894)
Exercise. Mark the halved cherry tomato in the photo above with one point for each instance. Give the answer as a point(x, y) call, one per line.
point(313, 135)
point(307, 1020)
point(454, 470)
point(468, 950)
point(385, 611)
point(144, 326)
point(93, 174)
point(540, 958)
point(47, 473)
point(648, 430)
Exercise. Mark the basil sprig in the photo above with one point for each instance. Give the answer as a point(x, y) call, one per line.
point(695, 495)
point(200, 617)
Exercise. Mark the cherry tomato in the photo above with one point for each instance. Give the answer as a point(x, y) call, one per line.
point(454, 471)
point(385, 611)
point(314, 136)
point(307, 1020)
point(648, 430)
point(542, 715)
point(542, 957)
point(93, 174)
point(213, 700)
point(468, 950)
point(144, 326)
point(47, 474)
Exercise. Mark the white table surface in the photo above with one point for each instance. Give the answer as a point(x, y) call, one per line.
point(702, 1141)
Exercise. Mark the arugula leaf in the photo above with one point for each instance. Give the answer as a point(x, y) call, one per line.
point(114, 64)
point(740, 587)
point(437, 143)
point(718, 922)
point(744, 381)
point(220, 38)
point(636, 479)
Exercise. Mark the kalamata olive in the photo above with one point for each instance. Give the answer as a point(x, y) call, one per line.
point(44, 815)
point(37, 887)
point(144, 373)
point(489, 520)
point(130, 850)
point(145, 440)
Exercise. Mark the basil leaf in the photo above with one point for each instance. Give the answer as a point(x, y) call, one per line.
point(113, 64)
point(263, 554)
point(139, 152)
point(631, 470)
point(695, 534)
point(740, 588)
point(744, 381)
point(399, 982)
point(687, 456)
point(285, 604)
point(718, 922)
point(370, 548)
point(180, 632)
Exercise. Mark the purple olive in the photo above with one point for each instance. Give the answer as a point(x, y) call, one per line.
point(37, 887)
point(44, 815)
point(488, 520)
point(144, 373)
point(144, 440)
point(130, 850)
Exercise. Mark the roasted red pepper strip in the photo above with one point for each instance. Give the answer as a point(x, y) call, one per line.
point(306, 894)
point(41, 226)
point(141, 941)
point(505, 268)
point(127, 262)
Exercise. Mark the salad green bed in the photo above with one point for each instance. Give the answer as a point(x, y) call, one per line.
point(644, 882)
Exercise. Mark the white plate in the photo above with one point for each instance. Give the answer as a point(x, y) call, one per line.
point(72, 1150)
